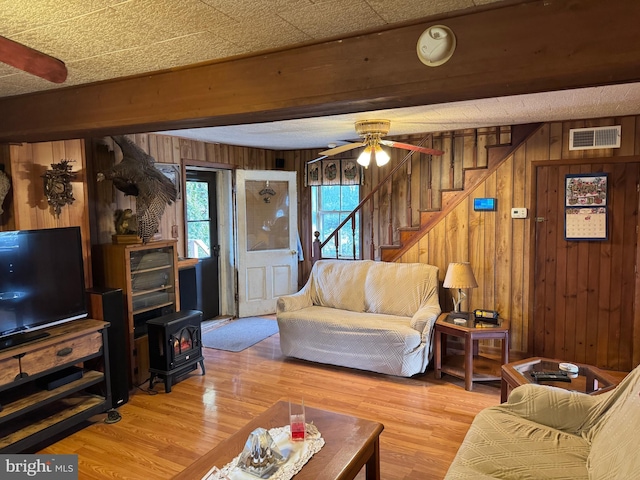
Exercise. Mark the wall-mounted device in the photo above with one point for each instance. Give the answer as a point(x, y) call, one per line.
point(484, 204)
point(519, 212)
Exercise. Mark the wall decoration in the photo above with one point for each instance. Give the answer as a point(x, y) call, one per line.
point(172, 172)
point(5, 185)
point(586, 216)
point(350, 172)
point(333, 172)
point(57, 185)
point(314, 174)
point(137, 175)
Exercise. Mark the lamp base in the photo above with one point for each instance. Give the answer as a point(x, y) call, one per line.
point(463, 315)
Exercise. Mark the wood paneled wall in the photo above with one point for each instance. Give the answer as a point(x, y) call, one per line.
point(498, 247)
point(29, 207)
point(170, 150)
point(421, 191)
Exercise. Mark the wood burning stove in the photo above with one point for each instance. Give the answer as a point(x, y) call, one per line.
point(175, 346)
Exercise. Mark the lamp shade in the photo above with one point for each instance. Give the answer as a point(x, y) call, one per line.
point(459, 275)
point(365, 157)
point(382, 157)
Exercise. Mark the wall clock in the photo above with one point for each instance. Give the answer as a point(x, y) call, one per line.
point(57, 185)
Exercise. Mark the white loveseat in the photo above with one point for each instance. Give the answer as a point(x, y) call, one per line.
point(376, 316)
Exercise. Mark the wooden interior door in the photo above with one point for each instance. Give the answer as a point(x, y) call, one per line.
point(267, 239)
point(584, 290)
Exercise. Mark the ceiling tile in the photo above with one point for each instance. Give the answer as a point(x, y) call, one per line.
point(403, 10)
point(149, 58)
point(338, 17)
point(280, 34)
point(255, 9)
point(22, 15)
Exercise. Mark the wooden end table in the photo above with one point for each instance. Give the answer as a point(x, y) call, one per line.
point(350, 444)
point(471, 366)
point(590, 379)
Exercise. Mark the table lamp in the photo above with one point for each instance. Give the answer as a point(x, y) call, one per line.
point(459, 275)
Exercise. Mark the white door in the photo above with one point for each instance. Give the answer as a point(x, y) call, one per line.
point(267, 239)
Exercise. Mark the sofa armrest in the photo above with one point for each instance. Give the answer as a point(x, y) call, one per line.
point(295, 301)
point(557, 408)
point(425, 318)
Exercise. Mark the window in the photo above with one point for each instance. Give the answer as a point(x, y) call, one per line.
point(330, 205)
point(201, 214)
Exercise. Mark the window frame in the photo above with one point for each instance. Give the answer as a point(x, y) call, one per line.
point(318, 215)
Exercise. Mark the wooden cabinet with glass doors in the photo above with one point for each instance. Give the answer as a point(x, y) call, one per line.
point(148, 277)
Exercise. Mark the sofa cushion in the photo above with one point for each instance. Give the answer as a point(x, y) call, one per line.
point(502, 445)
point(398, 288)
point(615, 441)
point(368, 341)
point(339, 284)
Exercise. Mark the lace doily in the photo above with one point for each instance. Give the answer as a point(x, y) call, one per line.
point(296, 453)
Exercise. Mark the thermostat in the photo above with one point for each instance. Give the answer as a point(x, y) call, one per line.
point(519, 212)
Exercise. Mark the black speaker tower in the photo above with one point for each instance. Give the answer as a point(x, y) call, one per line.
point(108, 304)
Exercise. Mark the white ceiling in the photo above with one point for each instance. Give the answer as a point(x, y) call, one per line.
point(106, 39)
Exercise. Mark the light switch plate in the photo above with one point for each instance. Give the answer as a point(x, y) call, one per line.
point(519, 212)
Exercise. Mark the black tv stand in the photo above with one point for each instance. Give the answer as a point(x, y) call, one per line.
point(20, 338)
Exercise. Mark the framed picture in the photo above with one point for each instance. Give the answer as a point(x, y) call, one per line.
point(586, 216)
point(172, 172)
point(314, 174)
point(351, 172)
point(333, 172)
point(330, 172)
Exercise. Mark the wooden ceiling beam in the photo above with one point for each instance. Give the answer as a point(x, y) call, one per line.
point(515, 49)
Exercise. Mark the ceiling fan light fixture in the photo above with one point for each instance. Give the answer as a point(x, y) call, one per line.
point(365, 157)
point(381, 157)
point(372, 132)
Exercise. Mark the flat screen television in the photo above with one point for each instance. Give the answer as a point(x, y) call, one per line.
point(41, 282)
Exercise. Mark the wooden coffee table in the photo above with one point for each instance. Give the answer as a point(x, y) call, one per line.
point(350, 444)
point(590, 379)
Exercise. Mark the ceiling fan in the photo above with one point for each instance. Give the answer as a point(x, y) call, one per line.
point(32, 61)
point(372, 132)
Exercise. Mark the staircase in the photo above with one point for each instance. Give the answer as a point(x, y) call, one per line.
point(407, 236)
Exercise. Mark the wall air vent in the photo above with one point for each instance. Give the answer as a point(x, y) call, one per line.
point(595, 137)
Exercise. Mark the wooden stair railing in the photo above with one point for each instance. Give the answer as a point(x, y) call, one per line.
point(450, 198)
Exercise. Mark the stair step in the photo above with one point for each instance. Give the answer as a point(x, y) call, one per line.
point(406, 233)
point(472, 176)
point(471, 169)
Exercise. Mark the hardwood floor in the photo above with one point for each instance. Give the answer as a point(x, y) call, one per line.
point(160, 434)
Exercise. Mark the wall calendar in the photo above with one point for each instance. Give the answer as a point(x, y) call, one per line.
point(586, 216)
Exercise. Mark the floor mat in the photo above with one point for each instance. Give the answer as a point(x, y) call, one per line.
point(240, 333)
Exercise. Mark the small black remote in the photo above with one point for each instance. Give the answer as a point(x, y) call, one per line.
point(551, 376)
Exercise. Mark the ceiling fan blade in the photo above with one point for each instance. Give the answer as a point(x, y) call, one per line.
point(316, 159)
point(342, 148)
point(406, 146)
point(32, 61)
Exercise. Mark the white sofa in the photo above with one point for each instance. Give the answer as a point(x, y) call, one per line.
point(363, 314)
point(543, 432)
